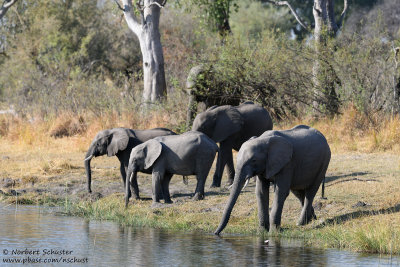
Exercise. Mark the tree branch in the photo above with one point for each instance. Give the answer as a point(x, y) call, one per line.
point(141, 8)
point(343, 14)
point(286, 3)
point(5, 6)
point(119, 6)
point(130, 18)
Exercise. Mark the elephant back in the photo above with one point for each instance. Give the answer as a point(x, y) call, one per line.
point(256, 121)
point(145, 135)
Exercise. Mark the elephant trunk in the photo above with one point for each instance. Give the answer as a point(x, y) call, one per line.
point(235, 191)
point(87, 160)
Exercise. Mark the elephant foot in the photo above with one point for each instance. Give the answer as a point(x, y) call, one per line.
point(229, 182)
point(263, 228)
point(198, 197)
point(273, 228)
point(214, 185)
point(304, 221)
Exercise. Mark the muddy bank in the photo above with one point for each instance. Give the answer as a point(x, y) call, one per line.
point(58, 188)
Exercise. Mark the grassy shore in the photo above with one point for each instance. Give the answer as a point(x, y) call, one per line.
point(361, 212)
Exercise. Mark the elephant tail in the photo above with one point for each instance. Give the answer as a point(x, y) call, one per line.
point(323, 189)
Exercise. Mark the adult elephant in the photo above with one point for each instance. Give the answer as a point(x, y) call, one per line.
point(202, 87)
point(119, 142)
point(295, 159)
point(231, 126)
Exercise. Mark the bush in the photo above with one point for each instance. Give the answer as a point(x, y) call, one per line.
point(274, 72)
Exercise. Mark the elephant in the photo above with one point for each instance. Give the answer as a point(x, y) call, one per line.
point(119, 142)
point(191, 153)
point(202, 87)
point(231, 126)
point(294, 160)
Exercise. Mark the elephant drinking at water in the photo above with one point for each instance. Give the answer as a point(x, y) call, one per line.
point(119, 142)
point(191, 153)
point(231, 126)
point(295, 159)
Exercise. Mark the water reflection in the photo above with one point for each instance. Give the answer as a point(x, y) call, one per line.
point(107, 244)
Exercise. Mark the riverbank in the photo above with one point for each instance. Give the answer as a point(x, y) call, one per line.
point(361, 212)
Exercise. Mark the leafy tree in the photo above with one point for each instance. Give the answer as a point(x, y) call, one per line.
point(216, 13)
point(51, 49)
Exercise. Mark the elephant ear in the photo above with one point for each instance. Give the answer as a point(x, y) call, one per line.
point(152, 150)
point(280, 152)
point(118, 141)
point(227, 122)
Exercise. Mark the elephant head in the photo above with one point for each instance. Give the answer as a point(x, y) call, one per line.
point(263, 156)
point(218, 123)
point(108, 142)
point(142, 158)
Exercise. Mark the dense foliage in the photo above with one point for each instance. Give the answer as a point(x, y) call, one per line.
point(76, 56)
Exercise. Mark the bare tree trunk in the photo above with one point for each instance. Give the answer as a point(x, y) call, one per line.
point(324, 76)
point(396, 81)
point(148, 34)
point(5, 6)
point(326, 99)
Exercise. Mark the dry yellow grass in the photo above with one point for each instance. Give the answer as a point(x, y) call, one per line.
point(363, 181)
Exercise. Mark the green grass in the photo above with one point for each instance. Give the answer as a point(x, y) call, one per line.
point(361, 234)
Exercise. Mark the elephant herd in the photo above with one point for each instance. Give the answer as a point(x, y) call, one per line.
point(293, 160)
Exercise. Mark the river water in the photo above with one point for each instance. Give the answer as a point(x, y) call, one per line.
point(37, 236)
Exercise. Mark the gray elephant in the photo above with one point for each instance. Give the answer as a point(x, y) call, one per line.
point(295, 159)
point(191, 153)
point(119, 142)
point(202, 87)
point(231, 126)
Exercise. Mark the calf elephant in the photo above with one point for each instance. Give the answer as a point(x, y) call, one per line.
point(191, 153)
point(119, 142)
point(295, 159)
point(231, 126)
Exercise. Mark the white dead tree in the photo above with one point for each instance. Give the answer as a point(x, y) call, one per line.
point(324, 19)
point(396, 81)
point(146, 28)
point(5, 6)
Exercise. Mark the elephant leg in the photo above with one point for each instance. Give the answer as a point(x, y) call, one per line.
point(225, 149)
point(165, 187)
point(262, 193)
point(300, 194)
point(199, 192)
point(282, 186)
point(157, 177)
point(230, 168)
point(134, 186)
point(122, 170)
point(307, 213)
